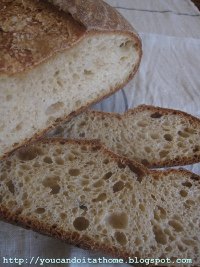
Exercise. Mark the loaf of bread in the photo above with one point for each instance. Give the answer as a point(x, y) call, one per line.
point(57, 60)
point(153, 136)
point(84, 194)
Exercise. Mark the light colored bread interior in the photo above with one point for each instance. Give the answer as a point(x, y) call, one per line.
point(155, 137)
point(77, 189)
point(32, 101)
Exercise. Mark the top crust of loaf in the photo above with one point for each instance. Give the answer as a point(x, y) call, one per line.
point(32, 31)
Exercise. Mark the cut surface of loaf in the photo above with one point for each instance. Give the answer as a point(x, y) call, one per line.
point(84, 194)
point(153, 136)
point(54, 63)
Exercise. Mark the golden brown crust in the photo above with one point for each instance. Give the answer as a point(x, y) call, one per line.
point(32, 31)
point(106, 18)
point(158, 174)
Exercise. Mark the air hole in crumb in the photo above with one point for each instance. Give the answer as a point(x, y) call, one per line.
point(160, 236)
point(154, 136)
point(196, 149)
point(40, 210)
point(118, 186)
point(59, 161)
point(163, 153)
point(126, 45)
point(142, 124)
point(121, 165)
point(147, 149)
point(176, 225)
point(57, 73)
point(107, 175)
point(101, 197)
point(187, 184)
point(83, 207)
point(183, 134)
point(63, 215)
point(36, 165)
point(84, 148)
point(52, 182)
point(3, 176)
point(48, 160)
point(168, 249)
point(18, 127)
point(84, 182)
point(26, 179)
point(156, 115)
point(118, 220)
point(105, 161)
point(137, 241)
point(190, 202)
point(142, 207)
point(123, 59)
point(71, 157)
point(98, 183)
point(88, 72)
point(74, 172)
point(56, 107)
point(11, 187)
point(8, 97)
point(24, 196)
point(121, 238)
point(82, 135)
point(168, 137)
point(183, 193)
point(81, 223)
point(75, 77)
point(188, 242)
point(160, 213)
point(134, 200)
point(26, 154)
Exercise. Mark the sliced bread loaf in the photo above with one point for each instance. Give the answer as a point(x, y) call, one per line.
point(54, 63)
point(83, 194)
point(153, 136)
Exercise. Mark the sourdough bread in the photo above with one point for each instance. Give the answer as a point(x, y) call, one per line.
point(55, 61)
point(83, 194)
point(153, 136)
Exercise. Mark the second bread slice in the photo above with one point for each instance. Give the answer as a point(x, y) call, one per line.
point(153, 136)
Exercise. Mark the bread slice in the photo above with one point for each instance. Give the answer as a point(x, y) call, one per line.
point(54, 63)
point(153, 136)
point(84, 194)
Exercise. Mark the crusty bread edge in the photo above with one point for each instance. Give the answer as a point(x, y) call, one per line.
point(166, 111)
point(74, 238)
